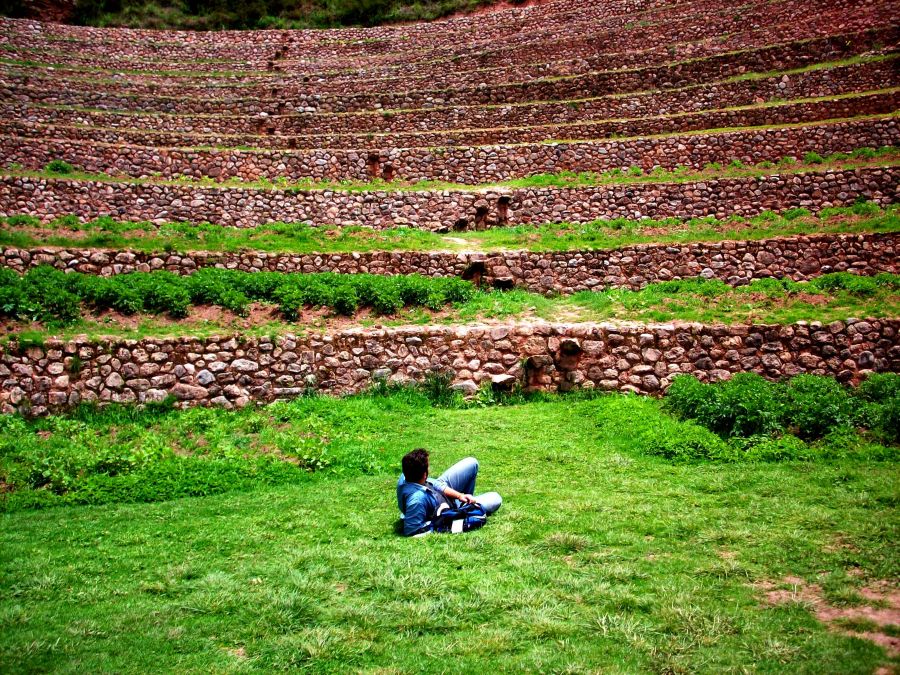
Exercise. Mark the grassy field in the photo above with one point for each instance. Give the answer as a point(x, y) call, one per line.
point(601, 559)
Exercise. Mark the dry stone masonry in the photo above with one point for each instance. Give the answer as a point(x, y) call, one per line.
point(443, 209)
point(734, 262)
point(235, 371)
point(459, 165)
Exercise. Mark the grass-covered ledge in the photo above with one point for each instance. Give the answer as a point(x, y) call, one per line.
point(887, 156)
point(107, 233)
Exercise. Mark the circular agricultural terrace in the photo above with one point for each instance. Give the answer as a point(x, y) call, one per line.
point(559, 148)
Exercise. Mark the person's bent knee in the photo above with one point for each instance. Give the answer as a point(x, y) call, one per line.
point(490, 501)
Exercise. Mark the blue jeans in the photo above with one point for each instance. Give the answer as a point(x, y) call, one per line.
point(461, 477)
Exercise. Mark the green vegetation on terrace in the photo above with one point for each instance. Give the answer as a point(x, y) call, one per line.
point(159, 453)
point(47, 303)
point(830, 297)
point(886, 156)
point(52, 296)
point(748, 409)
point(67, 231)
point(602, 558)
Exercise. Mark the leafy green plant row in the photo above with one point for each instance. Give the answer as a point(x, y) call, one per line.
point(751, 418)
point(561, 179)
point(24, 231)
point(51, 296)
point(45, 295)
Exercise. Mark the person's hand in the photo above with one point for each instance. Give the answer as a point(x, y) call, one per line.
point(468, 499)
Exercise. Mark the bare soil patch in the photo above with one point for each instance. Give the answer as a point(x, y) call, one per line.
point(876, 619)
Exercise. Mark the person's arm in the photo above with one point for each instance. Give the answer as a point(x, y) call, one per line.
point(414, 518)
point(455, 494)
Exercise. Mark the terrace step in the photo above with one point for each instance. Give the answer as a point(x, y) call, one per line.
point(667, 76)
point(170, 130)
point(827, 79)
point(441, 210)
point(250, 368)
point(90, 151)
point(799, 258)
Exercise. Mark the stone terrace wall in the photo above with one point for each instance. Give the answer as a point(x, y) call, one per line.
point(416, 93)
point(436, 210)
point(25, 122)
point(446, 74)
point(824, 82)
point(535, 36)
point(734, 262)
point(286, 117)
point(472, 165)
point(235, 371)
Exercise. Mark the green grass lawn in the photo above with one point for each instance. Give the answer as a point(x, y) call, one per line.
point(601, 559)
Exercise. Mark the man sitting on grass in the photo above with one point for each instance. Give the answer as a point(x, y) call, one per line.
point(419, 497)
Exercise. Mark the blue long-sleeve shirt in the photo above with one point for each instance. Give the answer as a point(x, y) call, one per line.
point(417, 505)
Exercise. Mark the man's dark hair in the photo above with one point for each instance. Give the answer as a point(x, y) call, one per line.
point(415, 464)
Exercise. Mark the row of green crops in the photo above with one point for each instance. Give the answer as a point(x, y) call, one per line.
point(51, 296)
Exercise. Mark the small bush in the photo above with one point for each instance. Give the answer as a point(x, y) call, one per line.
point(865, 153)
point(780, 449)
point(23, 220)
point(879, 387)
point(59, 167)
point(436, 387)
point(815, 405)
point(744, 406)
point(686, 441)
point(880, 397)
point(793, 214)
point(813, 158)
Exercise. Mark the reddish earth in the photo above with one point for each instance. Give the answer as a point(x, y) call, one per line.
point(878, 612)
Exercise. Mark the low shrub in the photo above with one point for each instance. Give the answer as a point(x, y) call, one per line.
point(793, 214)
point(59, 167)
point(815, 405)
point(686, 441)
point(813, 158)
point(776, 449)
point(880, 397)
point(754, 414)
point(744, 406)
